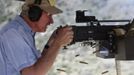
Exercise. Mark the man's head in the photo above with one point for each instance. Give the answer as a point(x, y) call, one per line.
point(40, 12)
point(34, 8)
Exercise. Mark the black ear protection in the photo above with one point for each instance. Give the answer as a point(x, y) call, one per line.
point(35, 12)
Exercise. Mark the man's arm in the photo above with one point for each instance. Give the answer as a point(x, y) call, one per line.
point(44, 63)
point(63, 37)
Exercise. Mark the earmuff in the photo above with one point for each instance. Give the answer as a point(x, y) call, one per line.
point(35, 11)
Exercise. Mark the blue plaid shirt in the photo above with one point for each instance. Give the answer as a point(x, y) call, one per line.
point(17, 47)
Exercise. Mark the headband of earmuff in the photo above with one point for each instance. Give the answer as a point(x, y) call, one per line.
point(35, 11)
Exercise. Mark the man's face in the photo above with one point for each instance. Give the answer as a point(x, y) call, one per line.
point(45, 20)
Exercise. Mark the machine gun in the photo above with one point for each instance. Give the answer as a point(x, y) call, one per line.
point(114, 41)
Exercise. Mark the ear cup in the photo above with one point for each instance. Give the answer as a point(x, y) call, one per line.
point(34, 13)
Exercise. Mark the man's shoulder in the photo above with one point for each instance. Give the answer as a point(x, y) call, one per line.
point(15, 29)
point(10, 31)
point(13, 25)
point(8, 28)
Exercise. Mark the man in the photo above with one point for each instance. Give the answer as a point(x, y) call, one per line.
point(18, 55)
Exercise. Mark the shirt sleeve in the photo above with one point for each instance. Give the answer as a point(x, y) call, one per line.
point(18, 52)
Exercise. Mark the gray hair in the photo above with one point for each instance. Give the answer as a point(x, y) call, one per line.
point(25, 8)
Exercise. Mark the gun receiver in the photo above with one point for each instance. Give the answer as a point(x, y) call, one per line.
point(82, 33)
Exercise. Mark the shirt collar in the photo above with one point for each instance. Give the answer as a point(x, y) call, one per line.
point(23, 23)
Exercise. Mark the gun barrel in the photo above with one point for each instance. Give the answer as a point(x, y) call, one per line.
point(114, 20)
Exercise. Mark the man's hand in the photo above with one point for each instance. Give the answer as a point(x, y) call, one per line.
point(62, 36)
